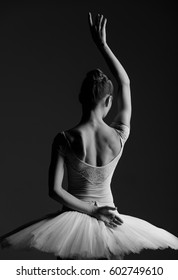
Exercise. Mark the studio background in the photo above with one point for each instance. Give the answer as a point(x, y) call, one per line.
point(45, 52)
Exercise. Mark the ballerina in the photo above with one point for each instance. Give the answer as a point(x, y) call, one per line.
point(89, 225)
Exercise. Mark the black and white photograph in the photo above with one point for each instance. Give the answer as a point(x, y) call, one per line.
point(88, 141)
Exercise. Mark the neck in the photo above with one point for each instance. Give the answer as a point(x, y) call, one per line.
point(91, 116)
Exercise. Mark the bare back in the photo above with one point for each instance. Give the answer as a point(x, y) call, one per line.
point(95, 146)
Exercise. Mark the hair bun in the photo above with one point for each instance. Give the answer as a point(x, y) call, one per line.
point(95, 86)
point(96, 75)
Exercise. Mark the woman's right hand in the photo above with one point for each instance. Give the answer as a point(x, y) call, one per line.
point(98, 29)
point(107, 215)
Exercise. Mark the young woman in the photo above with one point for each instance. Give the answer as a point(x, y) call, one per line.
point(89, 226)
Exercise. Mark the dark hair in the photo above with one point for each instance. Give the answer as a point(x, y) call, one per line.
point(95, 86)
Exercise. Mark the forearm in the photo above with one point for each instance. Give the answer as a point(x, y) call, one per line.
point(115, 66)
point(72, 202)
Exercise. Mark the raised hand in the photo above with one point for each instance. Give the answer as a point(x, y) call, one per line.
point(107, 215)
point(98, 29)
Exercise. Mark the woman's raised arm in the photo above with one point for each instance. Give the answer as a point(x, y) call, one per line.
point(98, 32)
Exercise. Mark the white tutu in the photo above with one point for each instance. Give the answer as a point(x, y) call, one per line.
point(78, 236)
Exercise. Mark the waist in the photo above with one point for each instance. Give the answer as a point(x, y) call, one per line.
point(101, 195)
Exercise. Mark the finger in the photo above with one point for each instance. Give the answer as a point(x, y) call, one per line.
point(100, 21)
point(110, 224)
point(90, 19)
point(118, 219)
point(110, 207)
point(97, 19)
point(117, 222)
point(113, 225)
point(103, 24)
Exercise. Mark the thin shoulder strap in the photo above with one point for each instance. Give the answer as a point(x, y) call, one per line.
point(65, 136)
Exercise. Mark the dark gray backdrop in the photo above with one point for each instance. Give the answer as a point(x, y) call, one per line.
point(45, 52)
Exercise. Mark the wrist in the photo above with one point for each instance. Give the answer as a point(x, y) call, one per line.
point(91, 209)
point(102, 45)
point(94, 210)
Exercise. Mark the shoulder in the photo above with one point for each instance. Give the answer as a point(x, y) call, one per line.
point(108, 135)
point(58, 139)
point(59, 143)
point(122, 129)
point(75, 135)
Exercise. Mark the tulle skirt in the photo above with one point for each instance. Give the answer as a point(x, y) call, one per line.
point(74, 235)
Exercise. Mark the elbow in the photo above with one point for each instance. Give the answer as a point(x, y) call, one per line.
point(54, 193)
point(126, 82)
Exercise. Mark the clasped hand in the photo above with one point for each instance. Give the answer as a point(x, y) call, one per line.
point(107, 215)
